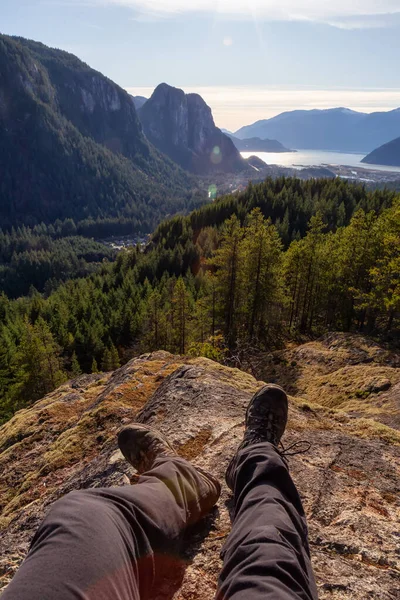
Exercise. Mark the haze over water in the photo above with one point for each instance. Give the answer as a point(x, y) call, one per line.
point(317, 158)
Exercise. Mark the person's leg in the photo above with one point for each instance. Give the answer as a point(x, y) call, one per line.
point(266, 555)
point(104, 544)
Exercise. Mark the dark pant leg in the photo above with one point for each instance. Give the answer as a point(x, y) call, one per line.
point(266, 555)
point(104, 544)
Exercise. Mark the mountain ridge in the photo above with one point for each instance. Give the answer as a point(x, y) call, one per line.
point(337, 129)
point(387, 154)
point(258, 145)
point(138, 101)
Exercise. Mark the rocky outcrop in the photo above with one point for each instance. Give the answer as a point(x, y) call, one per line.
point(349, 481)
point(181, 126)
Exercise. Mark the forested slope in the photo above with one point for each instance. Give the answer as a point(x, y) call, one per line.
point(71, 146)
point(242, 274)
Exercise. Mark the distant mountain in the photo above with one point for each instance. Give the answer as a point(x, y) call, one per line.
point(258, 145)
point(181, 125)
point(71, 144)
point(256, 163)
point(138, 101)
point(388, 154)
point(337, 129)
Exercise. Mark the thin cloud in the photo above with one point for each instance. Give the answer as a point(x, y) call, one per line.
point(349, 14)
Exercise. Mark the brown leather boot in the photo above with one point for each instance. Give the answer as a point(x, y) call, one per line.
point(141, 445)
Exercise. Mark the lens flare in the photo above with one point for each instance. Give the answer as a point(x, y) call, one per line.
point(212, 192)
point(216, 155)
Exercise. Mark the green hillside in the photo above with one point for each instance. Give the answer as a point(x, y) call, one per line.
point(227, 281)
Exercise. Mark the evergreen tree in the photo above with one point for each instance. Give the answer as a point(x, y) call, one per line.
point(228, 262)
point(262, 252)
point(206, 284)
point(358, 250)
point(115, 362)
point(379, 294)
point(37, 363)
point(180, 303)
point(302, 273)
point(154, 320)
point(75, 367)
point(107, 361)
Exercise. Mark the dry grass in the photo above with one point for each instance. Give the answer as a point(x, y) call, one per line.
point(239, 379)
point(370, 429)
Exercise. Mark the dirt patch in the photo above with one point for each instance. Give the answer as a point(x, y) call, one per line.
point(195, 446)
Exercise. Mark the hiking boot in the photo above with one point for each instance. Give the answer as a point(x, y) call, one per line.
point(266, 419)
point(141, 445)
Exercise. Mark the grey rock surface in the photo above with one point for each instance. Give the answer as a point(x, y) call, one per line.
point(349, 481)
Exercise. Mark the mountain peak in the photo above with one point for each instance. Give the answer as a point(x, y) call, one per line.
point(182, 126)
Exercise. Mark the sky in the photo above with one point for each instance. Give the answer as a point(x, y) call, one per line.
point(249, 59)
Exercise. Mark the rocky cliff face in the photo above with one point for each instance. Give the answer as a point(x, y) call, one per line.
point(349, 481)
point(97, 107)
point(181, 125)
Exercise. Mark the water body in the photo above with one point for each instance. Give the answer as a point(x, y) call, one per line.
point(316, 158)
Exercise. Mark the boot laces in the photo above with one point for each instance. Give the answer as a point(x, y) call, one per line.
point(290, 450)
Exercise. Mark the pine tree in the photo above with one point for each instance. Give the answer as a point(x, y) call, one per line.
point(7, 374)
point(228, 261)
point(37, 363)
point(75, 366)
point(107, 361)
point(302, 272)
point(115, 362)
point(358, 251)
point(379, 292)
point(95, 368)
point(262, 278)
point(154, 320)
point(180, 303)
